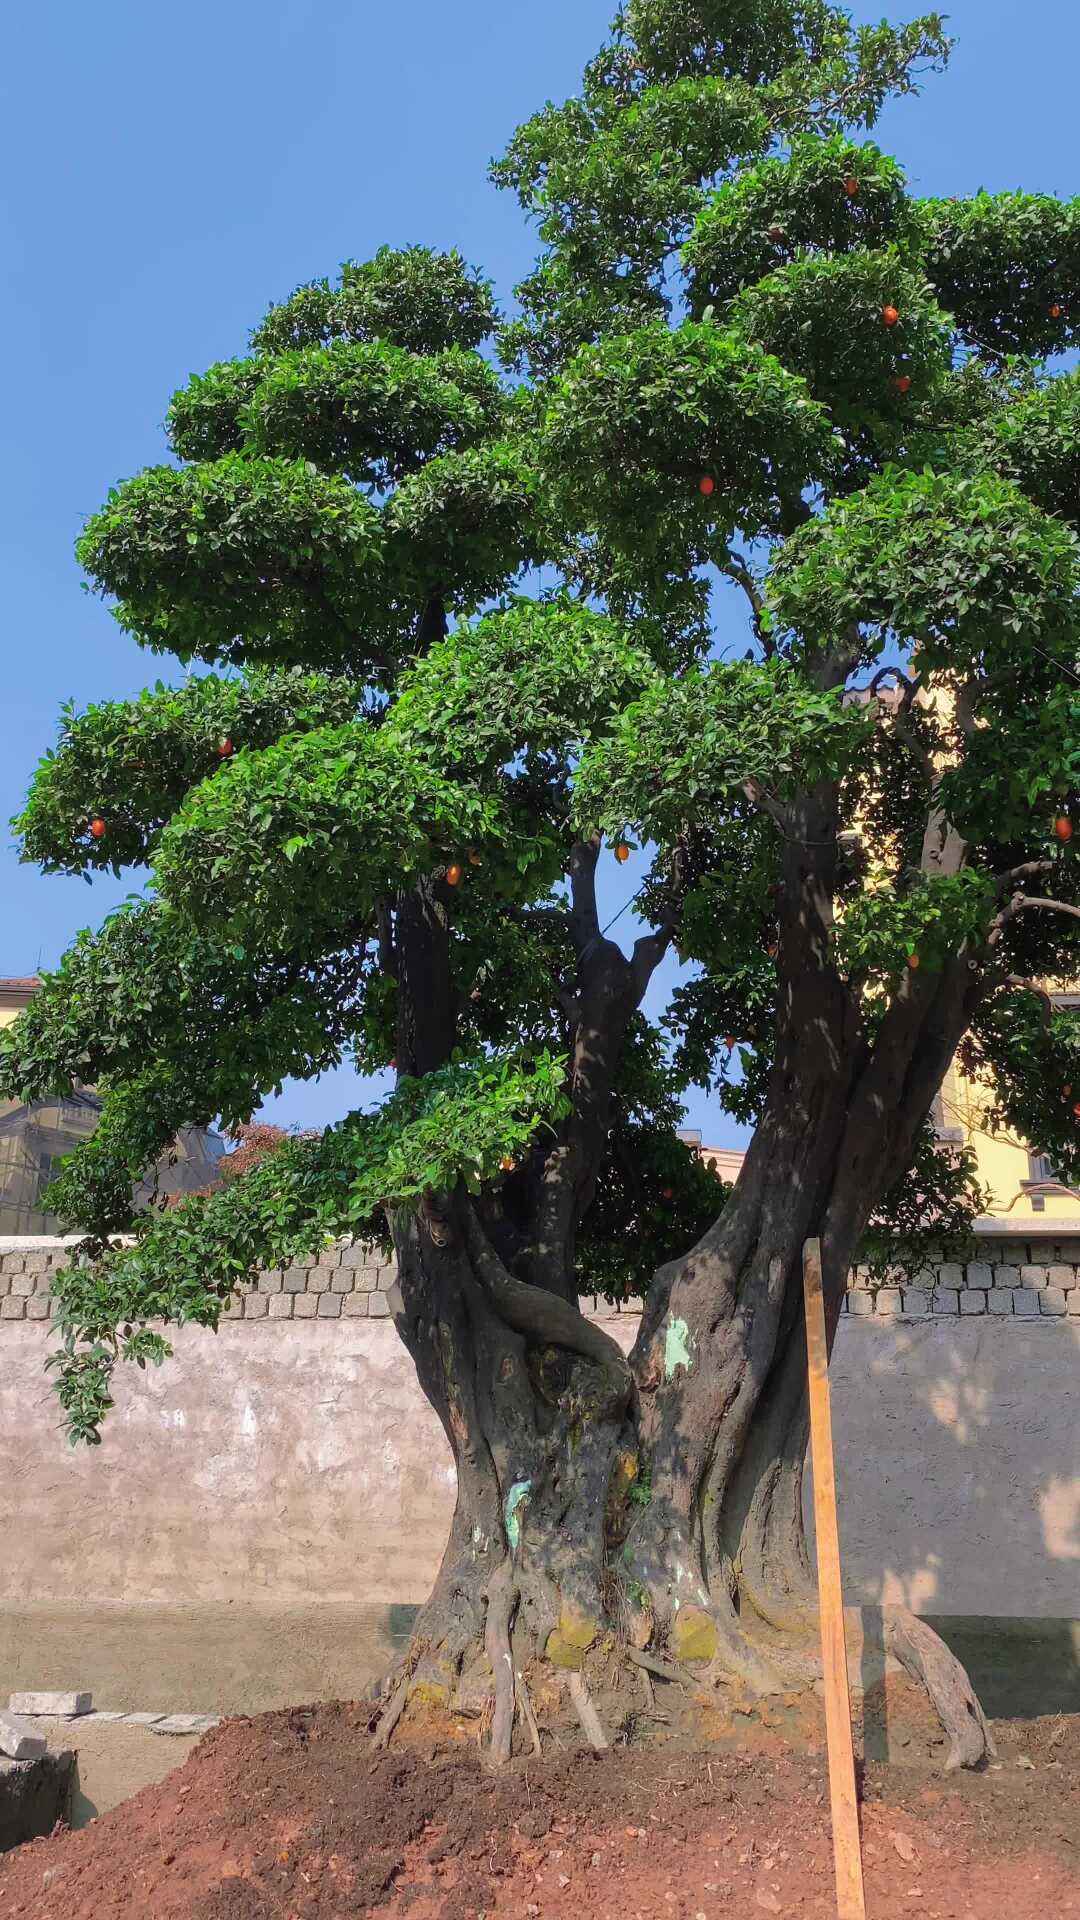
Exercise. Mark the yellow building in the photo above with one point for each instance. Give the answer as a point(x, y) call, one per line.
point(1019, 1177)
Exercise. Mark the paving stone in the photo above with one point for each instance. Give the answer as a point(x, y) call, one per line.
point(269, 1280)
point(354, 1256)
point(329, 1306)
point(1052, 1300)
point(1033, 1276)
point(1063, 1277)
point(256, 1306)
point(860, 1277)
point(110, 1715)
point(181, 1723)
point(281, 1305)
point(973, 1300)
point(61, 1705)
point(305, 1306)
point(916, 1301)
point(12, 1309)
point(1026, 1302)
point(367, 1279)
point(860, 1303)
point(319, 1279)
point(5, 1284)
point(355, 1306)
point(23, 1285)
point(294, 1280)
point(18, 1738)
point(1000, 1300)
point(378, 1306)
point(142, 1719)
point(39, 1307)
point(342, 1281)
point(1006, 1276)
point(233, 1308)
point(979, 1274)
point(947, 1299)
point(951, 1274)
point(1073, 1301)
point(36, 1262)
point(888, 1301)
point(1044, 1252)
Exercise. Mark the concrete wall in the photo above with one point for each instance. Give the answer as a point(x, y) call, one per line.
point(293, 1460)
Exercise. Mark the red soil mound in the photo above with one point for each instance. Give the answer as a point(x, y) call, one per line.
point(290, 1817)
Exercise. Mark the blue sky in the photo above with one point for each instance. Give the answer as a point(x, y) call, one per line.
point(171, 170)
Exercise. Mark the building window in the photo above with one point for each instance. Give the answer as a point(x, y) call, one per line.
point(1041, 1168)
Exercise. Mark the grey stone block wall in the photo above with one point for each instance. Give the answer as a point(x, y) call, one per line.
point(1022, 1279)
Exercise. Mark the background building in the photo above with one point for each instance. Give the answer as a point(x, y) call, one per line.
point(35, 1137)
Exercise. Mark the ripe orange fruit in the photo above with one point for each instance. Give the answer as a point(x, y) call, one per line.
point(729, 1042)
point(506, 1163)
point(902, 382)
point(669, 1193)
point(914, 962)
point(1066, 1091)
point(474, 857)
point(97, 827)
point(706, 484)
point(225, 749)
point(890, 315)
point(776, 234)
point(1076, 1110)
point(622, 853)
point(851, 186)
point(1063, 827)
point(453, 875)
point(772, 951)
point(392, 1064)
point(1055, 311)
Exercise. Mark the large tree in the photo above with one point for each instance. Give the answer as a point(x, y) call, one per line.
point(751, 363)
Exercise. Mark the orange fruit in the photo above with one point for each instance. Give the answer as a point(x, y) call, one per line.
point(1055, 311)
point(729, 1043)
point(97, 827)
point(851, 186)
point(1063, 827)
point(225, 749)
point(776, 234)
point(506, 1163)
point(474, 857)
point(902, 382)
point(914, 962)
point(890, 315)
point(706, 484)
point(453, 875)
point(622, 853)
point(1076, 1110)
point(669, 1193)
point(772, 951)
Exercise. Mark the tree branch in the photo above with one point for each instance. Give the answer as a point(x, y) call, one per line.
point(737, 570)
point(584, 920)
point(384, 925)
point(764, 802)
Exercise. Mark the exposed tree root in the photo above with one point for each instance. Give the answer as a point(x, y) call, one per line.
point(392, 1712)
point(502, 1599)
point(587, 1714)
point(926, 1658)
point(526, 1712)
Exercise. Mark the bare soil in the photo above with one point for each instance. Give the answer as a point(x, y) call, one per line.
point(290, 1816)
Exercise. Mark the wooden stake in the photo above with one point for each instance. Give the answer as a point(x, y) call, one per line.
point(847, 1851)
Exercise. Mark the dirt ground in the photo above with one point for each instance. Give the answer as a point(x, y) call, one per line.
point(290, 1816)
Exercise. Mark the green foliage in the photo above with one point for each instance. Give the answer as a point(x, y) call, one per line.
point(185, 1263)
point(1001, 262)
point(239, 559)
point(635, 423)
point(414, 298)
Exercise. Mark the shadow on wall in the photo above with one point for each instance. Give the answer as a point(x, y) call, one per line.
point(958, 1466)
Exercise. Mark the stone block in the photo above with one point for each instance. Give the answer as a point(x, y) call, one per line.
point(43, 1282)
point(5, 1284)
point(1006, 1276)
point(1052, 1300)
point(63, 1706)
point(1026, 1302)
point(12, 1309)
point(354, 1255)
point(979, 1274)
point(184, 1723)
point(342, 1280)
point(860, 1303)
point(951, 1275)
point(1043, 1253)
point(1072, 1301)
point(256, 1306)
point(916, 1301)
point(36, 1262)
point(23, 1285)
point(888, 1301)
point(305, 1306)
point(860, 1277)
point(1063, 1277)
point(1033, 1276)
point(233, 1308)
point(329, 1306)
point(367, 1279)
point(18, 1738)
point(281, 1305)
point(39, 1307)
point(34, 1795)
point(142, 1719)
point(294, 1280)
point(269, 1280)
point(378, 1306)
point(355, 1306)
point(973, 1300)
point(1000, 1300)
point(319, 1279)
point(13, 1262)
point(947, 1299)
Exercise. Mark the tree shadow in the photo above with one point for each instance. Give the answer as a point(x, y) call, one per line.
point(958, 1470)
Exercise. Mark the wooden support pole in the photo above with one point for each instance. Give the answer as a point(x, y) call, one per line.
point(847, 1851)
